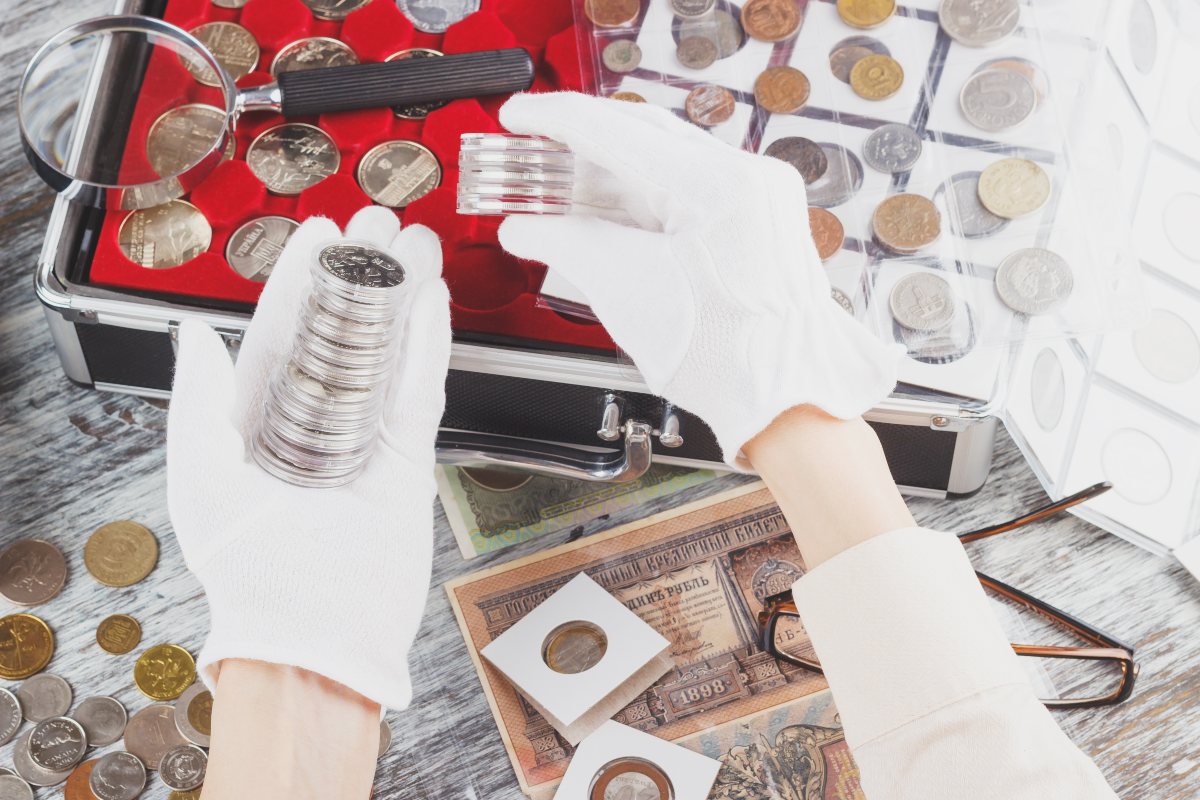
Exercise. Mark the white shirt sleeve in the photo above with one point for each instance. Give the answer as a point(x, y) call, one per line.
point(932, 698)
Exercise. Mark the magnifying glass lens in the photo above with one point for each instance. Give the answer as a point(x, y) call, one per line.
point(123, 108)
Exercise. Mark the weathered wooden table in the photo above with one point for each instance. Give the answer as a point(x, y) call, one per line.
point(74, 459)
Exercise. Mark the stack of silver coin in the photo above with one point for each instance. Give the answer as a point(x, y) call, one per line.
point(322, 418)
point(506, 174)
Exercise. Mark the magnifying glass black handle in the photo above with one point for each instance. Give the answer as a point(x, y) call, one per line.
point(404, 82)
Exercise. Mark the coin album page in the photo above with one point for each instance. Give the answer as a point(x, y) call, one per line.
point(1124, 406)
point(1055, 47)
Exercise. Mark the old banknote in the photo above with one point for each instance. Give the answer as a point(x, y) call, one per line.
point(491, 509)
point(698, 575)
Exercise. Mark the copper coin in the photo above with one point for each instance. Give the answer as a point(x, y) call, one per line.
point(827, 232)
point(696, 52)
point(865, 13)
point(612, 13)
point(849, 51)
point(805, 155)
point(709, 105)
point(118, 634)
point(627, 97)
point(31, 572)
point(906, 222)
point(771, 20)
point(876, 77)
point(781, 90)
point(76, 787)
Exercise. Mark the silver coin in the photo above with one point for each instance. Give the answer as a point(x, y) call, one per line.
point(31, 772)
point(692, 8)
point(396, 173)
point(922, 301)
point(229, 3)
point(892, 148)
point(385, 737)
point(13, 787)
point(1034, 280)
point(621, 55)
point(968, 217)
point(696, 52)
point(1022, 66)
point(333, 9)
point(721, 27)
point(151, 732)
point(183, 767)
point(44, 696)
point(416, 110)
point(10, 716)
point(804, 155)
point(435, 16)
point(978, 23)
point(997, 99)
point(118, 776)
point(255, 247)
point(183, 136)
point(57, 743)
point(841, 181)
point(290, 158)
point(234, 48)
point(102, 718)
point(842, 299)
point(313, 52)
point(362, 265)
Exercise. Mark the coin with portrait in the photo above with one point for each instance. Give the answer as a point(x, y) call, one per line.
point(118, 776)
point(1034, 280)
point(1014, 187)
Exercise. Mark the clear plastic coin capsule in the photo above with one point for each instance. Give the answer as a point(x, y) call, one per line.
point(321, 420)
point(507, 174)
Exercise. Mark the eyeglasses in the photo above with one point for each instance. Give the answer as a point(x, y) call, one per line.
point(1088, 669)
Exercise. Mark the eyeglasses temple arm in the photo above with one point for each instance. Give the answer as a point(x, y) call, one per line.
point(1041, 513)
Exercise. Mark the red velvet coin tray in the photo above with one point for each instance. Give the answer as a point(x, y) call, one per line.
point(494, 294)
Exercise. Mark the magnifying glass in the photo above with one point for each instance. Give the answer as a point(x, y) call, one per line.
point(131, 111)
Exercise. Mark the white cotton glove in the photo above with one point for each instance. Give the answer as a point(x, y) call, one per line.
point(329, 580)
point(718, 295)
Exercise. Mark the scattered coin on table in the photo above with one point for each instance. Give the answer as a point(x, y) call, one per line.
point(57, 743)
point(44, 696)
point(876, 77)
point(417, 110)
point(906, 222)
point(291, 157)
point(118, 634)
point(922, 301)
point(77, 786)
point(827, 232)
point(979, 23)
point(314, 52)
point(1034, 280)
point(621, 55)
point(865, 13)
point(892, 148)
point(103, 720)
point(164, 236)
point(771, 20)
point(31, 772)
point(10, 716)
point(997, 99)
point(782, 90)
point(193, 714)
point(14, 787)
point(804, 155)
point(182, 767)
point(1014, 187)
point(335, 10)
point(163, 671)
point(118, 776)
point(31, 572)
point(696, 52)
point(627, 97)
point(709, 105)
point(192, 794)
point(612, 13)
point(26, 645)
point(398, 172)
point(151, 732)
point(385, 737)
point(234, 47)
point(120, 553)
point(692, 8)
point(968, 217)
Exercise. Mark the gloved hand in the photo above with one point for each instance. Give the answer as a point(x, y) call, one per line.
point(330, 580)
point(718, 295)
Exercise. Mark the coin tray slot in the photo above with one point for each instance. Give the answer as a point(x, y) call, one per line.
point(1048, 389)
point(1139, 37)
point(497, 291)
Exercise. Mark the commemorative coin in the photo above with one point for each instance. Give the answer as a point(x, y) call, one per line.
point(922, 301)
point(314, 52)
point(398, 172)
point(292, 157)
point(181, 137)
point(164, 236)
point(254, 248)
point(234, 47)
point(1034, 281)
point(416, 110)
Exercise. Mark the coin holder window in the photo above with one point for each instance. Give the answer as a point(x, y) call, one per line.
point(1049, 379)
point(619, 761)
point(576, 703)
point(1177, 120)
point(733, 131)
point(1140, 37)
point(1165, 228)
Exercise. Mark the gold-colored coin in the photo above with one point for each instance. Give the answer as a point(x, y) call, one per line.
point(574, 647)
point(190, 794)
point(120, 553)
point(118, 634)
point(164, 236)
point(865, 13)
point(26, 645)
point(164, 671)
point(628, 97)
point(1014, 187)
point(876, 77)
point(234, 47)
